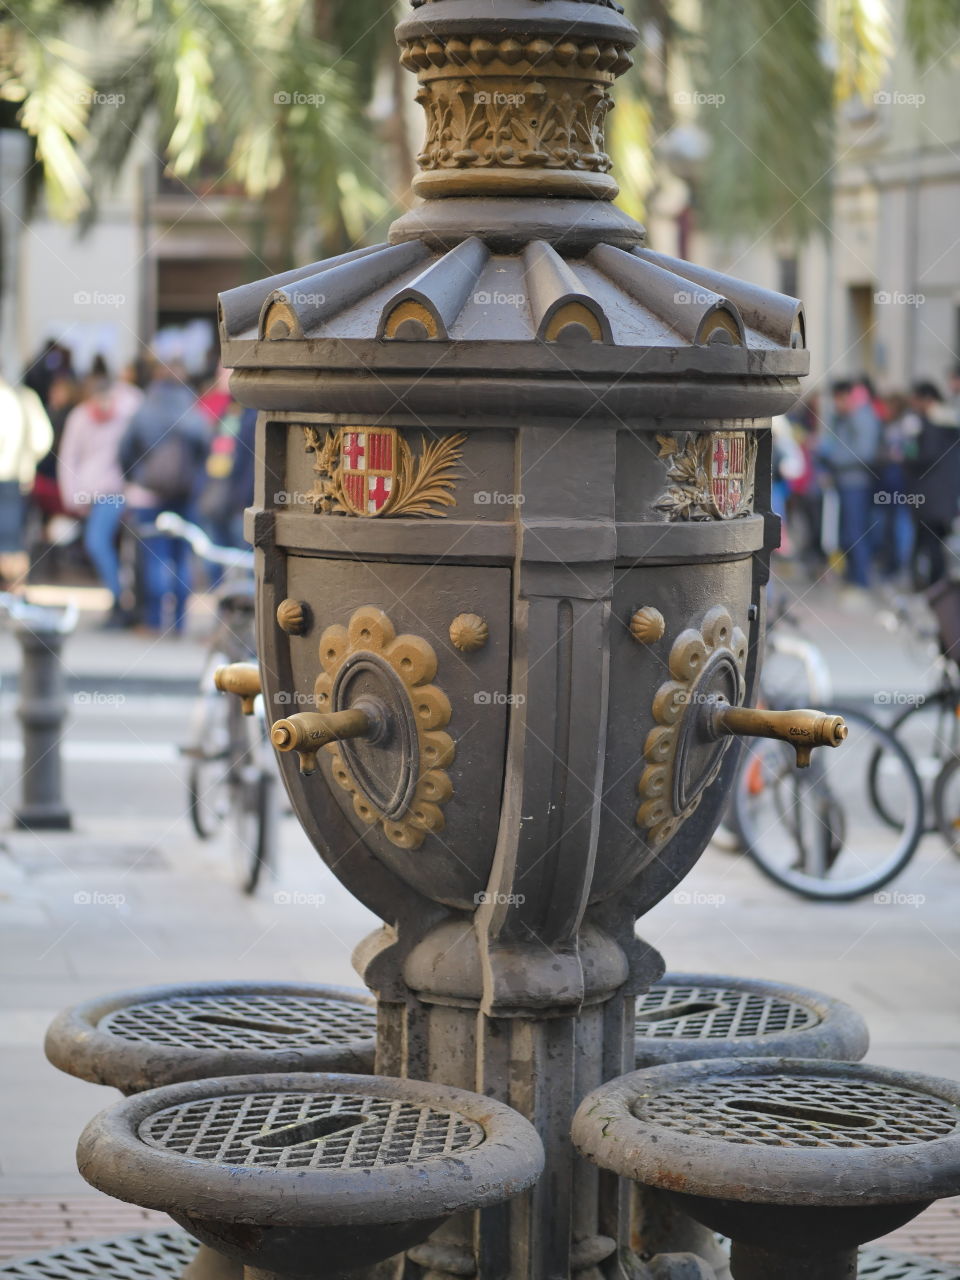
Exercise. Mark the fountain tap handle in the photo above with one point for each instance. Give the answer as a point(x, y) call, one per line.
point(803, 729)
point(306, 732)
point(241, 679)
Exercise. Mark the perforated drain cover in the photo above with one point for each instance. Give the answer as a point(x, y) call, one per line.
point(879, 1264)
point(309, 1131)
point(243, 1021)
point(693, 1012)
point(156, 1255)
point(801, 1111)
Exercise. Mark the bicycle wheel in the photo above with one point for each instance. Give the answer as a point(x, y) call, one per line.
point(209, 755)
point(929, 731)
point(816, 831)
point(252, 798)
point(946, 803)
point(266, 819)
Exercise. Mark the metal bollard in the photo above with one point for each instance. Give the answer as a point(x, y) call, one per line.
point(42, 710)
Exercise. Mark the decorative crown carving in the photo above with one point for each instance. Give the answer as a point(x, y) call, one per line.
point(515, 114)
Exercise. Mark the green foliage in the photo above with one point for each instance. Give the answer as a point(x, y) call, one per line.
point(273, 93)
point(629, 141)
point(43, 74)
point(772, 127)
point(247, 81)
point(776, 72)
point(860, 43)
point(932, 27)
point(363, 29)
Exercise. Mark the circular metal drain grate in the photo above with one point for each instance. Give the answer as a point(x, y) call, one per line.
point(158, 1255)
point(879, 1264)
point(801, 1111)
point(242, 1022)
point(309, 1131)
point(691, 1012)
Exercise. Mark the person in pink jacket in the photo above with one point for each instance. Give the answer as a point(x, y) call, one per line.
point(91, 481)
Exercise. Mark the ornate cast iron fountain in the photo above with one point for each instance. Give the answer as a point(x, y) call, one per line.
point(513, 531)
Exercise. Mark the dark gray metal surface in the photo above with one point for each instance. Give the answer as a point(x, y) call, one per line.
point(776, 1131)
point(819, 1111)
point(749, 1262)
point(588, 392)
point(154, 1255)
point(230, 1145)
point(243, 1021)
point(885, 1264)
point(140, 1039)
point(281, 1171)
point(798, 1162)
point(42, 712)
point(688, 1016)
point(359, 1132)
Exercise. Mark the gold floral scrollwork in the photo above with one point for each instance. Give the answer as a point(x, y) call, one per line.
point(412, 658)
point(694, 652)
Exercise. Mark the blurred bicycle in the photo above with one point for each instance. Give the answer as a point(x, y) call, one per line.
point(818, 831)
point(927, 725)
point(232, 780)
point(939, 712)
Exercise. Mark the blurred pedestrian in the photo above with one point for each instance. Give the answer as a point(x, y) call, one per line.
point(53, 361)
point(954, 397)
point(788, 465)
point(243, 466)
point(216, 400)
point(934, 472)
point(806, 496)
point(895, 528)
point(91, 480)
point(848, 450)
point(25, 437)
point(228, 482)
point(161, 455)
point(62, 397)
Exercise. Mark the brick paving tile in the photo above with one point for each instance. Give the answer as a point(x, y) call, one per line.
point(28, 1226)
point(934, 1234)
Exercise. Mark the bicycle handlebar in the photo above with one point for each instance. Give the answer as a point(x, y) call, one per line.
point(228, 557)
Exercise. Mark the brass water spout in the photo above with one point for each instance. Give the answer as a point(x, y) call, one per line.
point(803, 729)
point(306, 732)
point(241, 679)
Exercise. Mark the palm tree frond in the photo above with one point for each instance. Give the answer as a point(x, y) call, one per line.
point(756, 99)
point(932, 26)
point(57, 98)
point(861, 43)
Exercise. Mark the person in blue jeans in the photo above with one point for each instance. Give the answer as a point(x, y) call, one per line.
point(893, 544)
point(848, 450)
point(162, 455)
point(91, 483)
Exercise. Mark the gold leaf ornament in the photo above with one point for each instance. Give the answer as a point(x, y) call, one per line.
point(429, 479)
point(695, 485)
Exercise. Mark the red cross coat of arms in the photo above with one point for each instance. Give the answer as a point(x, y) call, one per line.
point(368, 469)
point(727, 466)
